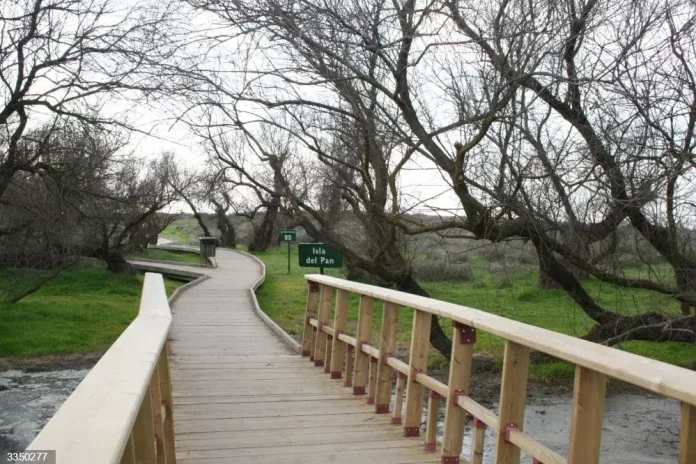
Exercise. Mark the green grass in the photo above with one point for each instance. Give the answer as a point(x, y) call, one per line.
point(79, 311)
point(182, 230)
point(166, 255)
point(283, 298)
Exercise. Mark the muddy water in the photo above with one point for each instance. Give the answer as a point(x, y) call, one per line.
point(638, 428)
point(28, 401)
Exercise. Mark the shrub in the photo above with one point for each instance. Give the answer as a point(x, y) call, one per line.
point(439, 271)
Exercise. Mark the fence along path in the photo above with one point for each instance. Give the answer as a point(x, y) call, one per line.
point(241, 395)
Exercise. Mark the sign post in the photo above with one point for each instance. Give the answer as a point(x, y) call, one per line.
point(319, 255)
point(288, 235)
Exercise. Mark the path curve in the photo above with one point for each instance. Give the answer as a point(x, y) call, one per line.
point(241, 395)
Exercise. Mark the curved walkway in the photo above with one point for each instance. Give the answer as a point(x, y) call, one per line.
point(242, 396)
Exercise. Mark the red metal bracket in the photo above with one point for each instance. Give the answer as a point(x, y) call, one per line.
point(373, 359)
point(411, 431)
point(382, 408)
point(358, 390)
point(314, 329)
point(370, 400)
point(396, 421)
point(479, 424)
point(508, 429)
point(536, 461)
point(336, 374)
point(449, 460)
point(430, 447)
point(349, 347)
point(318, 363)
point(327, 369)
point(434, 395)
point(313, 287)
point(385, 357)
point(305, 353)
point(457, 394)
point(401, 375)
point(348, 383)
point(467, 334)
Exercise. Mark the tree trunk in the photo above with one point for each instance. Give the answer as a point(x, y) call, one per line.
point(116, 263)
point(438, 338)
point(228, 236)
point(263, 236)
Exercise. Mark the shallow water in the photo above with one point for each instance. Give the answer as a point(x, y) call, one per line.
point(28, 401)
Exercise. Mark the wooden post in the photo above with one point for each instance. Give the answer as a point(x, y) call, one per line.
point(687, 442)
point(128, 456)
point(418, 363)
point(308, 336)
point(322, 318)
point(372, 385)
point(431, 424)
point(364, 334)
point(387, 346)
point(588, 412)
point(349, 365)
point(157, 418)
point(339, 347)
point(399, 398)
point(463, 340)
point(329, 350)
point(167, 404)
point(478, 438)
point(144, 432)
point(513, 394)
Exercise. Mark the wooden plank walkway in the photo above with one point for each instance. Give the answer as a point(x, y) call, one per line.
point(241, 396)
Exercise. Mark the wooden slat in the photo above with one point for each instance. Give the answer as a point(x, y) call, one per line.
point(128, 456)
point(535, 449)
point(418, 362)
point(167, 403)
point(321, 338)
point(459, 379)
point(687, 442)
point(588, 413)
point(431, 422)
point(513, 391)
point(144, 433)
point(387, 347)
point(338, 347)
point(363, 335)
point(372, 383)
point(399, 398)
point(310, 312)
point(157, 417)
point(478, 438)
point(350, 358)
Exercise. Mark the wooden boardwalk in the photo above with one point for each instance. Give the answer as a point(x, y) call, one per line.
point(242, 396)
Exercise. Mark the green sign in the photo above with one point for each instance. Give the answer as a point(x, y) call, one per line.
point(288, 235)
point(319, 255)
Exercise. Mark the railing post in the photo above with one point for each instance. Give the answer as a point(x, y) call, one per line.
point(372, 384)
point(349, 365)
point(478, 438)
point(431, 424)
point(463, 340)
point(308, 336)
point(157, 418)
point(167, 404)
point(339, 347)
point(399, 398)
point(364, 333)
point(322, 319)
point(144, 432)
point(687, 442)
point(418, 363)
point(513, 394)
point(588, 412)
point(387, 346)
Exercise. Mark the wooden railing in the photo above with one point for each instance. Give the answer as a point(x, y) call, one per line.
point(372, 368)
point(122, 411)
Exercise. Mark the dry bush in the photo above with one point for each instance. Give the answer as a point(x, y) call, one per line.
point(440, 271)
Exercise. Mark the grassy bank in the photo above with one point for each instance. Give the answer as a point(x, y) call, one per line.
point(79, 311)
point(167, 255)
point(512, 294)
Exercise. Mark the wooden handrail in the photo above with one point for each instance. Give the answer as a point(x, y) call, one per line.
point(594, 364)
point(121, 412)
